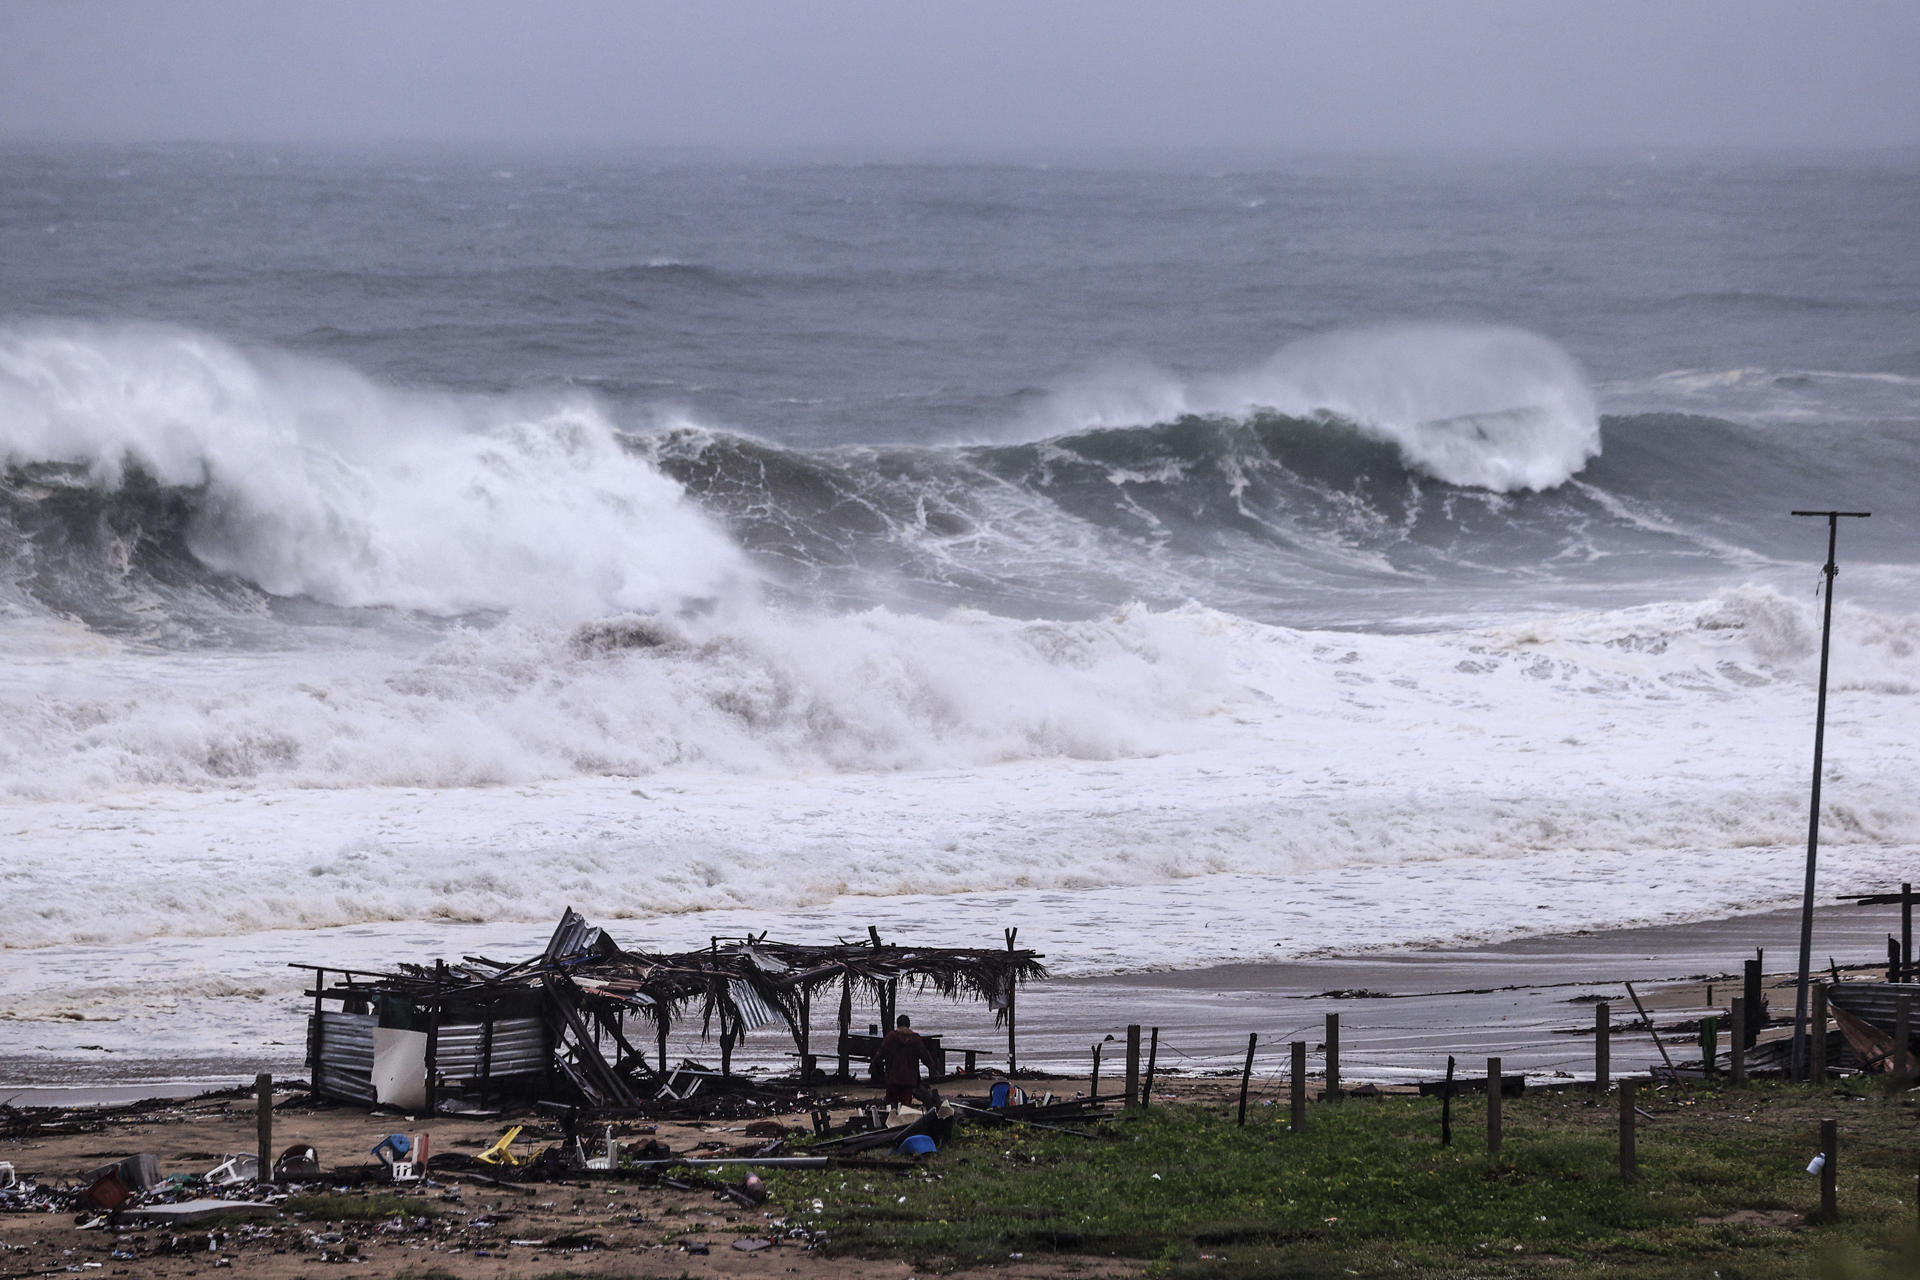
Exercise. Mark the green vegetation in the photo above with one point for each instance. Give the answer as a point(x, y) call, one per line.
point(1367, 1190)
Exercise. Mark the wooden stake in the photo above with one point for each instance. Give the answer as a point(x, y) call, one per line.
point(1333, 1057)
point(1602, 1046)
point(1133, 1064)
point(1299, 1085)
point(1093, 1087)
point(1153, 1056)
point(1493, 1106)
point(1737, 1042)
point(1246, 1075)
point(1446, 1107)
point(1650, 1028)
point(263, 1122)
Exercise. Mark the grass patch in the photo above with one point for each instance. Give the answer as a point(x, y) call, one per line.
point(1368, 1190)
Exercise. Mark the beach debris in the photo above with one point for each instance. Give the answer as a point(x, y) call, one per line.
point(109, 1191)
point(752, 1244)
point(298, 1163)
point(233, 1171)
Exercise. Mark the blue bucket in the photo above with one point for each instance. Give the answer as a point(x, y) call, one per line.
point(917, 1145)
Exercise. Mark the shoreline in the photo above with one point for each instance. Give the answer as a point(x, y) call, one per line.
point(1526, 1000)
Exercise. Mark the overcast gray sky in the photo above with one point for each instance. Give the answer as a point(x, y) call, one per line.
point(981, 74)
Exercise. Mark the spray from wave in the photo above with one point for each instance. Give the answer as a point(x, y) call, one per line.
point(306, 479)
point(1477, 406)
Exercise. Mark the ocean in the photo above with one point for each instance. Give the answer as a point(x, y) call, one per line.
point(1183, 561)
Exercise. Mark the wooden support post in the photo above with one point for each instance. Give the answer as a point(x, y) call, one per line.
point(1902, 1029)
point(1710, 1047)
point(806, 1025)
point(1013, 1056)
point(263, 1122)
point(1629, 1166)
point(846, 1026)
point(1602, 1046)
point(1737, 1042)
point(1333, 1057)
point(1493, 1106)
point(1153, 1058)
point(316, 1038)
point(660, 1038)
point(1246, 1075)
point(1906, 931)
point(1893, 959)
point(1446, 1106)
point(1756, 1016)
point(1830, 1170)
point(726, 1046)
point(1298, 1070)
point(1133, 1064)
point(1817, 1032)
point(1093, 1085)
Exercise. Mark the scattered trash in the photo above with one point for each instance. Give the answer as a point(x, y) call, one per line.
point(918, 1144)
point(232, 1171)
point(749, 1244)
point(297, 1164)
point(1818, 1163)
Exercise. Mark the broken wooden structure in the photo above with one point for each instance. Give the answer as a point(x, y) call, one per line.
point(587, 1021)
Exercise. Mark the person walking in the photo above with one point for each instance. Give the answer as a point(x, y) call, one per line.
point(899, 1059)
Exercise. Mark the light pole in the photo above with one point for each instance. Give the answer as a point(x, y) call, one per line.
point(1831, 570)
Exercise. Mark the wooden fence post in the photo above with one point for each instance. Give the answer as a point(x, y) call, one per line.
point(1012, 989)
point(1133, 1064)
point(1710, 1047)
point(1737, 1042)
point(1756, 1006)
point(1246, 1075)
point(1902, 1029)
point(1830, 1170)
point(263, 1122)
point(1153, 1057)
point(1299, 1089)
point(1817, 1058)
point(1446, 1106)
point(1333, 1057)
point(1493, 1106)
point(1602, 1046)
point(1629, 1167)
point(1093, 1086)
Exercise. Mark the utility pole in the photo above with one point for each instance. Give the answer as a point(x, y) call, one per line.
point(1831, 570)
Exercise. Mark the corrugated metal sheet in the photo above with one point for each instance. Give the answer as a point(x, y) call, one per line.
point(520, 1047)
point(1873, 1002)
point(345, 1068)
point(573, 937)
point(754, 1013)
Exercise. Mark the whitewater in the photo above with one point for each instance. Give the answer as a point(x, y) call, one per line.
point(358, 630)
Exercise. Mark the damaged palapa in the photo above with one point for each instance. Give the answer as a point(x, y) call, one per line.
point(558, 1027)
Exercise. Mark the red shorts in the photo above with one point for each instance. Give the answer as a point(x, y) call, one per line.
point(898, 1093)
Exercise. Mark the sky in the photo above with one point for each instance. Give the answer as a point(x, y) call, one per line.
point(983, 74)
